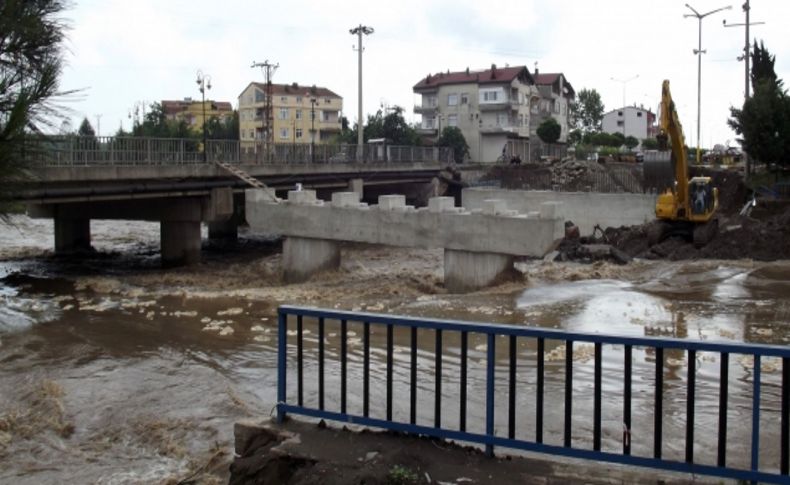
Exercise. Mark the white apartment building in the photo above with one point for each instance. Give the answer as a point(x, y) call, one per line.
point(630, 121)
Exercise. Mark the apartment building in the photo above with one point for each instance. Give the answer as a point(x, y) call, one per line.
point(631, 121)
point(554, 100)
point(491, 107)
point(192, 111)
point(299, 114)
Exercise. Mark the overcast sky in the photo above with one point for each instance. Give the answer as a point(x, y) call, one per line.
point(123, 52)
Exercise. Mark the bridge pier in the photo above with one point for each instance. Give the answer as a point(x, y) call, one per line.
point(303, 257)
point(357, 186)
point(72, 235)
point(180, 243)
point(466, 271)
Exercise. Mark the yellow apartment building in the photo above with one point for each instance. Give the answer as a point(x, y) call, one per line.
point(300, 114)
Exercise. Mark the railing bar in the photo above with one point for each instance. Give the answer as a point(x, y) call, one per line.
point(389, 371)
point(490, 384)
point(511, 418)
point(413, 380)
point(568, 392)
point(343, 364)
point(658, 418)
point(724, 372)
point(539, 397)
point(282, 336)
point(299, 362)
point(690, 395)
point(628, 360)
point(464, 350)
point(597, 398)
point(756, 413)
point(366, 369)
point(321, 363)
point(785, 420)
point(437, 412)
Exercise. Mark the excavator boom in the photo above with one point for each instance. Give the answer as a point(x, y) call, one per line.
point(671, 129)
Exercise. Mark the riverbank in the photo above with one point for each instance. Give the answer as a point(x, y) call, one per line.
point(302, 453)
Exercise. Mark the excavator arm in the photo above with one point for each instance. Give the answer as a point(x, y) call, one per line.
point(671, 136)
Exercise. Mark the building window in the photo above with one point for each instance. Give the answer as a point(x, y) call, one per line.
point(298, 114)
point(501, 119)
point(298, 133)
point(260, 97)
point(620, 123)
point(284, 99)
point(429, 101)
point(520, 120)
point(638, 114)
point(284, 133)
point(298, 99)
point(452, 99)
point(326, 116)
point(619, 113)
point(327, 101)
point(490, 96)
point(428, 123)
point(283, 113)
point(452, 120)
point(464, 98)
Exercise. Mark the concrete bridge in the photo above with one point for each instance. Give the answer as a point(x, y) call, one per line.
point(179, 183)
point(479, 245)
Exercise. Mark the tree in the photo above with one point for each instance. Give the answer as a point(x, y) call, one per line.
point(226, 128)
point(763, 123)
point(587, 111)
point(549, 131)
point(650, 144)
point(391, 126)
point(631, 142)
point(85, 128)
point(30, 64)
point(618, 139)
point(575, 137)
point(452, 137)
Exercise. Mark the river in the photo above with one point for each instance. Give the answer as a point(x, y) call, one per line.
point(113, 370)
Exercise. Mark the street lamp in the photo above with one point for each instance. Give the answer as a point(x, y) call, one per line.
point(624, 82)
point(312, 129)
point(358, 31)
point(204, 82)
point(698, 52)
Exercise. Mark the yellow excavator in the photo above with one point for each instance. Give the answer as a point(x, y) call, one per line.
point(688, 208)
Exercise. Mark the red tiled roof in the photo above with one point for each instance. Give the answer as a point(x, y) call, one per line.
point(550, 78)
point(173, 107)
point(296, 89)
point(488, 76)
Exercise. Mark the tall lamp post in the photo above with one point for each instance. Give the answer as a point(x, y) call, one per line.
point(745, 57)
point(624, 82)
point(358, 31)
point(204, 82)
point(698, 52)
point(312, 129)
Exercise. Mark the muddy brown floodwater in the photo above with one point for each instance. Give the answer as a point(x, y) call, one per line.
point(113, 370)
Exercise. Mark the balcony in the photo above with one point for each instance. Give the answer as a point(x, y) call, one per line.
point(513, 105)
point(499, 130)
point(426, 109)
point(427, 131)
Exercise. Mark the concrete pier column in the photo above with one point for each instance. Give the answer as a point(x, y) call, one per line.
point(72, 235)
point(358, 186)
point(468, 271)
point(304, 257)
point(180, 241)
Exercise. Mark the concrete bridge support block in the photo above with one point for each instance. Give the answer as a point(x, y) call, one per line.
point(466, 271)
point(72, 235)
point(358, 186)
point(304, 257)
point(180, 241)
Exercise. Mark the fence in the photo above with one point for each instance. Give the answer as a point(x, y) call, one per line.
point(665, 353)
point(97, 151)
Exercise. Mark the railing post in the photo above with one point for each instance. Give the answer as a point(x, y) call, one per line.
point(490, 365)
point(282, 338)
point(756, 413)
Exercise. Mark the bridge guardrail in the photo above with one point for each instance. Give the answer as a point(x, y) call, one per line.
point(665, 352)
point(75, 151)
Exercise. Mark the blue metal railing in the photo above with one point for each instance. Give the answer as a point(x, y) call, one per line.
point(657, 347)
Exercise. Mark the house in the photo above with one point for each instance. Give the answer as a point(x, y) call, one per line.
point(631, 121)
point(299, 114)
point(490, 107)
point(493, 108)
point(555, 97)
point(192, 112)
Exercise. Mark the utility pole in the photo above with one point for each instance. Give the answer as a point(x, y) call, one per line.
point(358, 31)
point(268, 70)
point(698, 52)
point(746, 58)
point(98, 124)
